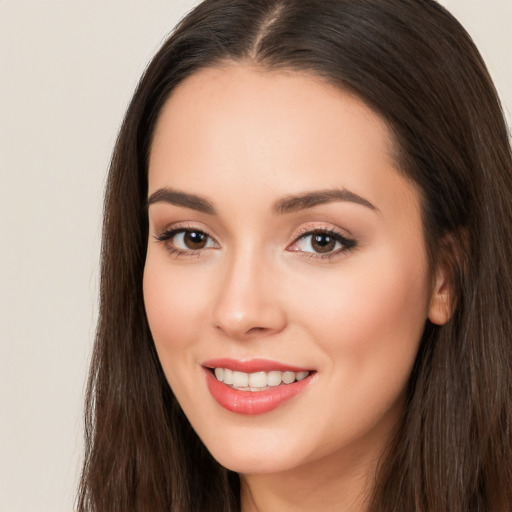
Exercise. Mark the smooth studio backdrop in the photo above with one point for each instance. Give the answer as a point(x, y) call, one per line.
point(67, 71)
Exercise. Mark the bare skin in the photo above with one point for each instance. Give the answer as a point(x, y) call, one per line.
point(281, 229)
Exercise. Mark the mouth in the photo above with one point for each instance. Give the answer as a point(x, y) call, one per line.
point(257, 381)
point(256, 386)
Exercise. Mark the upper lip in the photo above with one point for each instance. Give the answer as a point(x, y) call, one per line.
point(252, 365)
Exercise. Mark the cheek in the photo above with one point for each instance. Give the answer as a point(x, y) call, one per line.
point(174, 303)
point(369, 318)
point(387, 309)
point(369, 326)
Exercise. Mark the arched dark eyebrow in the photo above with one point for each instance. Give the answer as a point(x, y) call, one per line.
point(294, 203)
point(287, 204)
point(167, 195)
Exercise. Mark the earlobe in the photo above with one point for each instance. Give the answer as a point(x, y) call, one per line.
point(441, 303)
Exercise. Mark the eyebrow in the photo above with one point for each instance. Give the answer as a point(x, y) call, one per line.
point(167, 195)
point(288, 204)
point(307, 200)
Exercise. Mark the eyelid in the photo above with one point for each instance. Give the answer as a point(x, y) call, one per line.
point(348, 241)
point(182, 226)
point(166, 235)
point(311, 228)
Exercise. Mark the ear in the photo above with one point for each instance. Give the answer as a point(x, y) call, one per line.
point(441, 302)
point(454, 248)
point(452, 256)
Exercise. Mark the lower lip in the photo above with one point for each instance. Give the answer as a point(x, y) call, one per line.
point(253, 402)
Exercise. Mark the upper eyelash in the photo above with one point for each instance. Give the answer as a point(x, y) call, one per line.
point(167, 234)
point(328, 231)
point(348, 243)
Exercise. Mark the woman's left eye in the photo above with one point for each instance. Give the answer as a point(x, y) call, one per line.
point(322, 243)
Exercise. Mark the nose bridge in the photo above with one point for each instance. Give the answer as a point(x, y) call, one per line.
point(247, 304)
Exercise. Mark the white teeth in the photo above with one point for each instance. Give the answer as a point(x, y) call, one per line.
point(274, 378)
point(228, 376)
point(288, 377)
point(257, 381)
point(240, 379)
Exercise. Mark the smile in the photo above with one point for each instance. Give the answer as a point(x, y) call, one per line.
point(256, 386)
point(257, 381)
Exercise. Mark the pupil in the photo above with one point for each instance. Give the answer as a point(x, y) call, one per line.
point(195, 240)
point(323, 243)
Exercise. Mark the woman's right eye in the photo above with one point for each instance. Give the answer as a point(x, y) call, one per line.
point(186, 240)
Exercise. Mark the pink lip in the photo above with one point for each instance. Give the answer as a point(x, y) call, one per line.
point(252, 365)
point(252, 402)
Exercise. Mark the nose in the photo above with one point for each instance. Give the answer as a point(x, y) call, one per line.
point(247, 305)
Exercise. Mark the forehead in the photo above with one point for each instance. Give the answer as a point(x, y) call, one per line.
point(260, 131)
point(222, 99)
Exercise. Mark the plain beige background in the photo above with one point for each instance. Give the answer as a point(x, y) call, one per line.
point(67, 71)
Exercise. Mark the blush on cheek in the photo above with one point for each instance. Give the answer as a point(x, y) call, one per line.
point(373, 312)
point(174, 307)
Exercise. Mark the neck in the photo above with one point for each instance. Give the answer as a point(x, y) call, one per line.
point(326, 485)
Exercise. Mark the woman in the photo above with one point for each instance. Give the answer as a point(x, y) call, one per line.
point(306, 295)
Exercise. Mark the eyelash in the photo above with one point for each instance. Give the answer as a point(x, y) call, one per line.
point(347, 244)
point(167, 236)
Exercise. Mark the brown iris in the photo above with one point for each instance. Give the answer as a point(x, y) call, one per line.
point(322, 242)
point(195, 239)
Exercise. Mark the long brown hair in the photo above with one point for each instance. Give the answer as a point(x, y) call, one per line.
point(414, 64)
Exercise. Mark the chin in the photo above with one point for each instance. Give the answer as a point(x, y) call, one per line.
point(254, 461)
point(260, 451)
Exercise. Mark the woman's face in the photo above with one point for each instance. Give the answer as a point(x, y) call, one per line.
point(285, 257)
